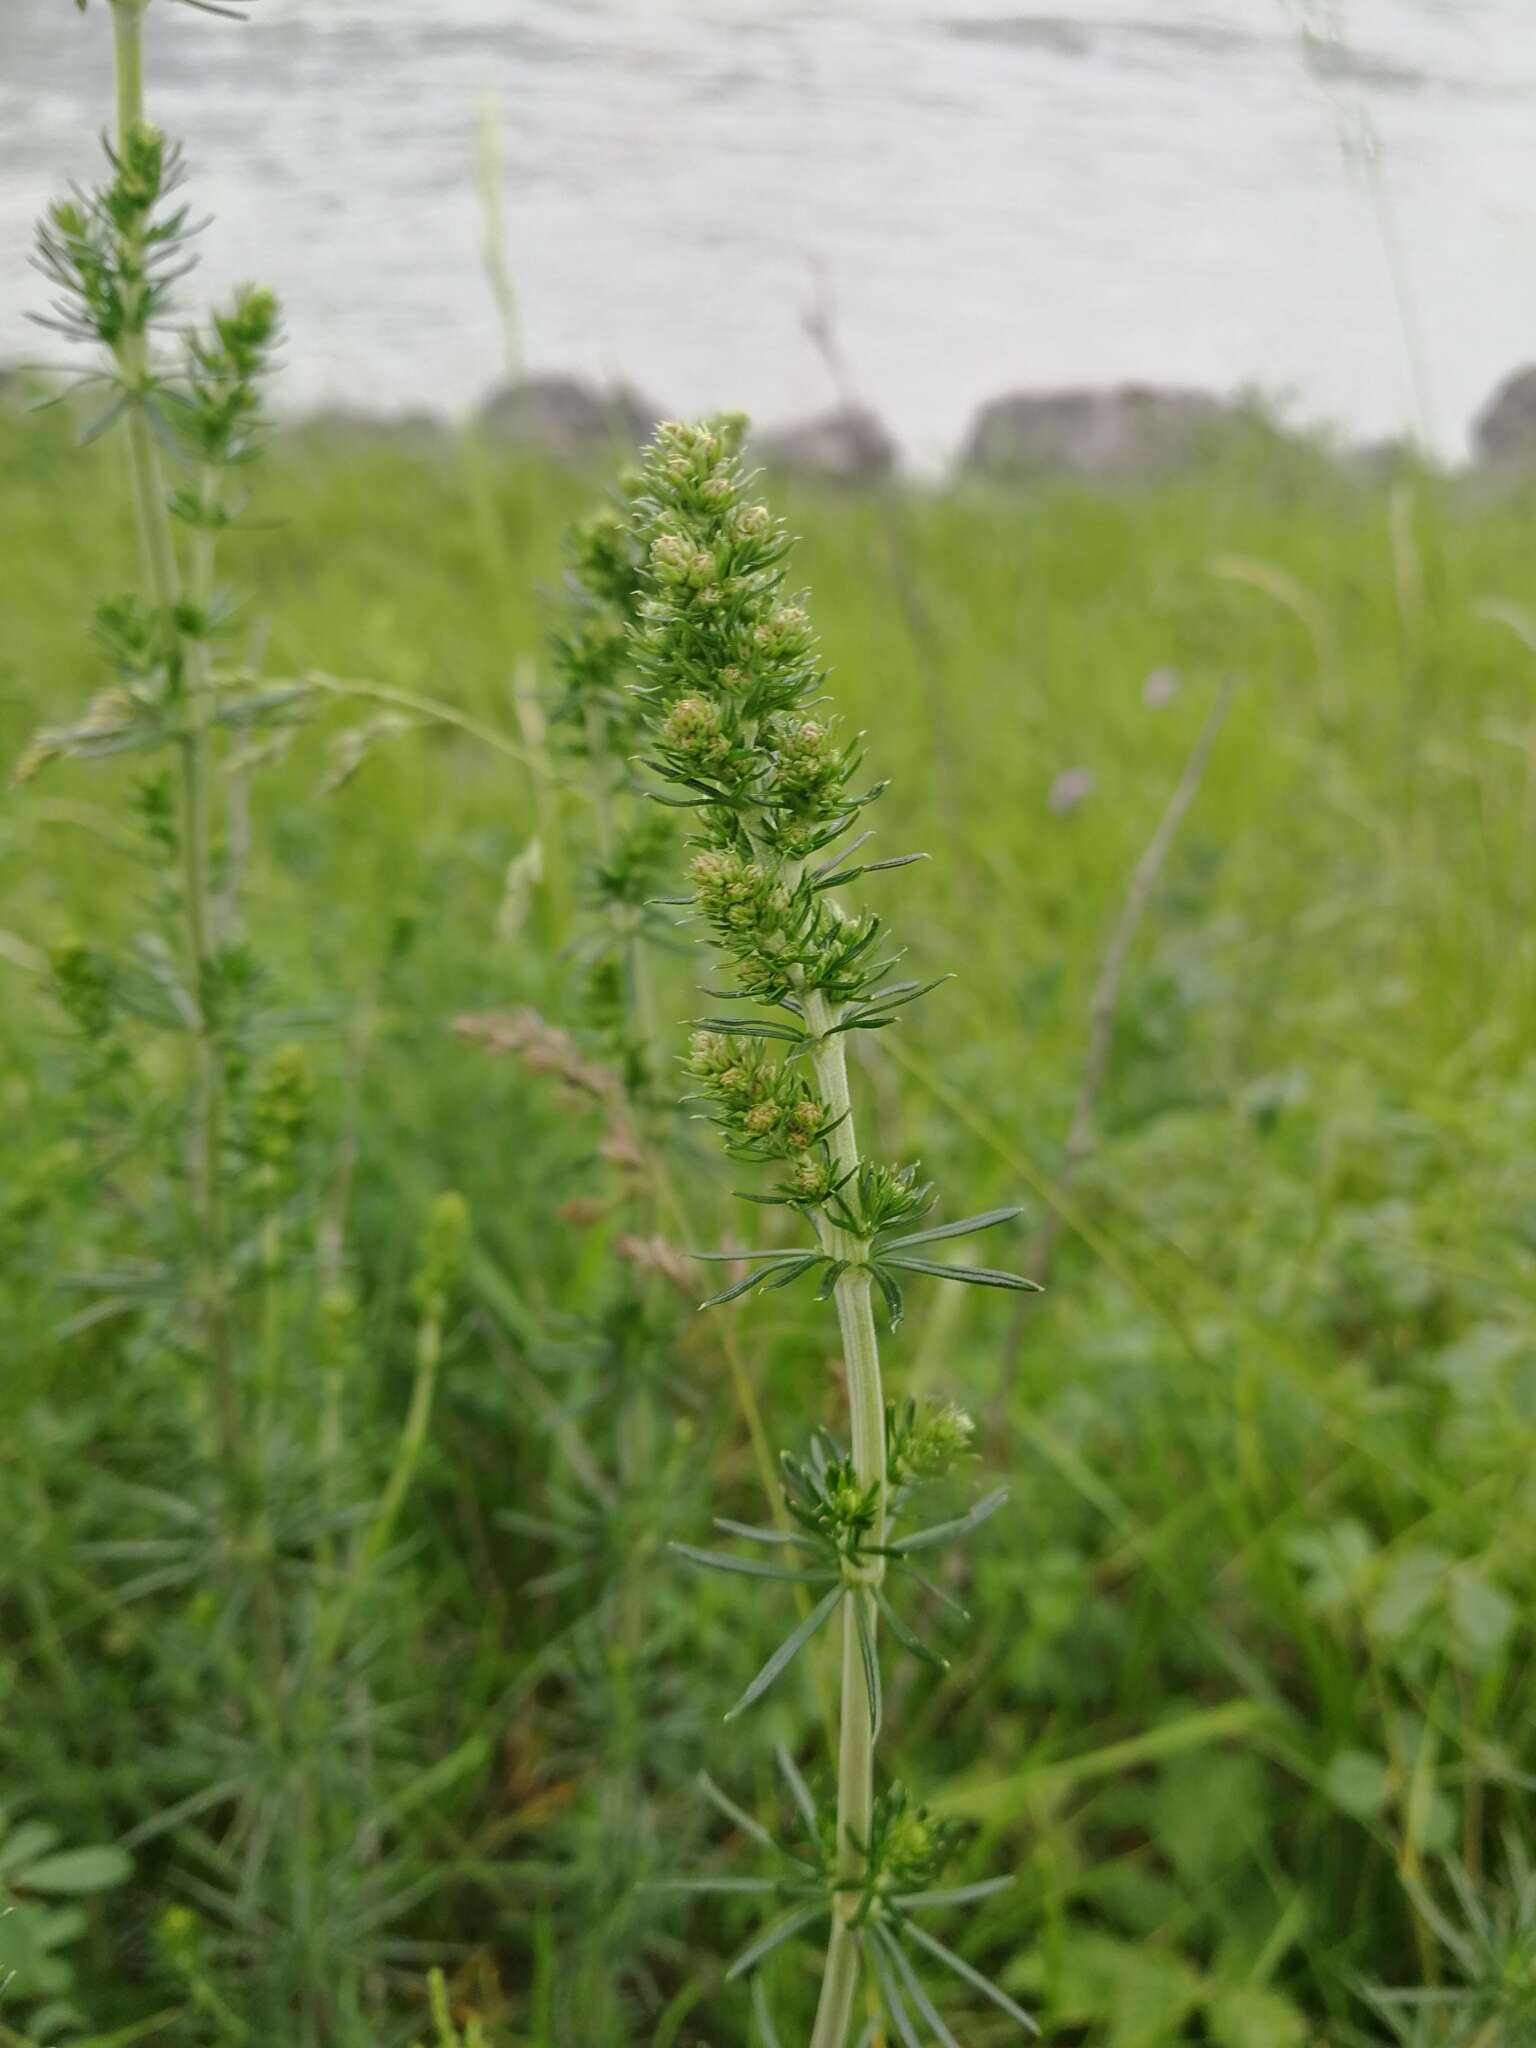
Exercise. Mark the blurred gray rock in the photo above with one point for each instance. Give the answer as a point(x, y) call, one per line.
point(1504, 432)
point(1378, 462)
point(847, 446)
point(346, 426)
point(565, 417)
point(1123, 433)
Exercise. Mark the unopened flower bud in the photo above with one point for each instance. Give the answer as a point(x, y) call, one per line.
point(442, 1253)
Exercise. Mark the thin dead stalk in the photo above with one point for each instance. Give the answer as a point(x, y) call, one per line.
point(1101, 1026)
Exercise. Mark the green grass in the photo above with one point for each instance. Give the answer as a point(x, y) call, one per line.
point(1251, 1662)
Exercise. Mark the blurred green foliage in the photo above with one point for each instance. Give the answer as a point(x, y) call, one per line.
point(1248, 1704)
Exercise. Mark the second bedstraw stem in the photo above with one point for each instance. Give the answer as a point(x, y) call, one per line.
point(744, 744)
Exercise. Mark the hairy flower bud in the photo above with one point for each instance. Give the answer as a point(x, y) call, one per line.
point(282, 1099)
point(443, 1246)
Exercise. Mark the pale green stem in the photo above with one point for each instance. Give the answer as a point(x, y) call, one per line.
point(197, 885)
point(330, 1245)
point(269, 1259)
point(866, 1413)
point(642, 994)
point(631, 947)
point(636, 1431)
point(164, 575)
point(133, 348)
point(413, 1437)
point(638, 986)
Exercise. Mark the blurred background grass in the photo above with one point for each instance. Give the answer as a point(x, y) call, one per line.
point(1251, 1685)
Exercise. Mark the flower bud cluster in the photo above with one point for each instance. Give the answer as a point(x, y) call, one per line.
point(729, 662)
point(747, 904)
point(767, 1108)
point(281, 1110)
point(780, 934)
point(444, 1244)
point(924, 1440)
point(824, 1495)
point(908, 1848)
point(885, 1198)
point(813, 768)
point(728, 669)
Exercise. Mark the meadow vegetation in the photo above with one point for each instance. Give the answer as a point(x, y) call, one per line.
point(1246, 1699)
point(360, 1436)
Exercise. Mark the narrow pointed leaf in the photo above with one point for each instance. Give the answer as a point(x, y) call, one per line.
point(788, 1650)
point(752, 1027)
point(748, 1567)
point(927, 2011)
point(966, 1227)
point(736, 1814)
point(756, 1535)
point(835, 1271)
point(781, 1931)
point(846, 853)
point(955, 1895)
point(973, 1276)
point(799, 1791)
point(536, 1526)
point(713, 1884)
point(788, 1275)
point(889, 1994)
point(895, 996)
point(972, 1976)
point(871, 1661)
point(104, 421)
point(907, 1639)
point(741, 1287)
point(835, 879)
point(891, 1294)
point(761, 2014)
point(764, 1258)
point(943, 1532)
point(944, 1599)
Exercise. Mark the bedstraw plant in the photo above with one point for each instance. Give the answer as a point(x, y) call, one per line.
point(743, 742)
point(608, 1378)
point(216, 1509)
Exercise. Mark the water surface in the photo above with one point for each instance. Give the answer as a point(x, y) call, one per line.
point(981, 193)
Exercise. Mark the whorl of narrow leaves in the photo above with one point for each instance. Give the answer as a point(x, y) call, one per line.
point(225, 366)
point(112, 254)
point(115, 255)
